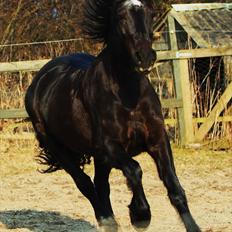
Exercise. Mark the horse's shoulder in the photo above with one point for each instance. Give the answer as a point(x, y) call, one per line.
point(77, 60)
point(81, 60)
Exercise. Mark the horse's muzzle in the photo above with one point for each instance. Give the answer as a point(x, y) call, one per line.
point(145, 60)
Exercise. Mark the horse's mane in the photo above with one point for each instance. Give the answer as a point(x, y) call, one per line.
point(96, 19)
point(97, 15)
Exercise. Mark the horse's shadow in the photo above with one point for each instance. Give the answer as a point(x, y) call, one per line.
point(43, 221)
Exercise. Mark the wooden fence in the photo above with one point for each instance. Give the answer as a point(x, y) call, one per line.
point(182, 86)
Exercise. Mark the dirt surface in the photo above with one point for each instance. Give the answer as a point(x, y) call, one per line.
point(30, 201)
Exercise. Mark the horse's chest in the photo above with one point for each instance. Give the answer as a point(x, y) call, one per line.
point(136, 132)
point(133, 129)
point(140, 130)
point(136, 124)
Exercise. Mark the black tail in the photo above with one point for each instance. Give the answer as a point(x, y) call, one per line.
point(46, 158)
point(51, 151)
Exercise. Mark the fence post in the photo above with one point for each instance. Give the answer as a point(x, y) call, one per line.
point(182, 89)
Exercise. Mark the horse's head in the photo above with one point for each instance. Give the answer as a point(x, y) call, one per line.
point(126, 23)
point(134, 27)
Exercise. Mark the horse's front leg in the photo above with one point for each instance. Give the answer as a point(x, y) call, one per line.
point(165, 165)
point(140, 213)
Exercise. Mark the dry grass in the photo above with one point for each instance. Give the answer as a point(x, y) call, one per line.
point(18, 155)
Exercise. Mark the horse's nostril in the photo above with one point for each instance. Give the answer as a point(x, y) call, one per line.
point(139, 58)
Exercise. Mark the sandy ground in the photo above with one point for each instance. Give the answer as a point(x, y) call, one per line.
point(30, 201)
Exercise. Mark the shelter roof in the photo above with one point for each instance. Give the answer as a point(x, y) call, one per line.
point(209, 25)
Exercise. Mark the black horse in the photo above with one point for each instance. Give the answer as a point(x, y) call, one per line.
point(105, 107)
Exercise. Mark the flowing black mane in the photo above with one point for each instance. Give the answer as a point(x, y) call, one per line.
point(96, 19)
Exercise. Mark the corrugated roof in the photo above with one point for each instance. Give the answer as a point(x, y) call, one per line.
point(209, 25)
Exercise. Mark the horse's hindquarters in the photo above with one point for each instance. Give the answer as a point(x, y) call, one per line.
point(55, 107)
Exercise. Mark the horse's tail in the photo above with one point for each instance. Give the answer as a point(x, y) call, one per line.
point(54, 154)
point(45, 156)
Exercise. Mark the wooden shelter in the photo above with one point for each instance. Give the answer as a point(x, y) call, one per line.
point(196, 32)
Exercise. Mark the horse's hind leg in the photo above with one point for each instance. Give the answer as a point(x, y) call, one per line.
point(83, 182)
point(165, 165)
point(102, 187)
point(101, 182)
point(86, 187)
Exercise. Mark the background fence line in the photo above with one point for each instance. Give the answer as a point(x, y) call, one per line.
point(182, 72)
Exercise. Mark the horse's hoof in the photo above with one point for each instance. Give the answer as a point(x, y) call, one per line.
point(140, 219)
point(141, 225)
point(108, 225)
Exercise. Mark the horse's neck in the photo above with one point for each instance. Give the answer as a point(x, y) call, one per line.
point(119, 66)
point(126, 78)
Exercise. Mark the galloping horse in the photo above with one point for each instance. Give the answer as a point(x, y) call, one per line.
point(104, 107)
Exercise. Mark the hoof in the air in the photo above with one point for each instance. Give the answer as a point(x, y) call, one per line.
point(140, 219)
point(140, 226)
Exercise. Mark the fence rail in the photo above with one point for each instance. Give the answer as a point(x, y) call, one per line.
point(23, 66)
point(35, 65)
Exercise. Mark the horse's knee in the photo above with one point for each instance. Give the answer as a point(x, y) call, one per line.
point(133, 173)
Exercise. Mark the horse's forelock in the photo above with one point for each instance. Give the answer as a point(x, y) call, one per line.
point(130, 3)
point(139, 3)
